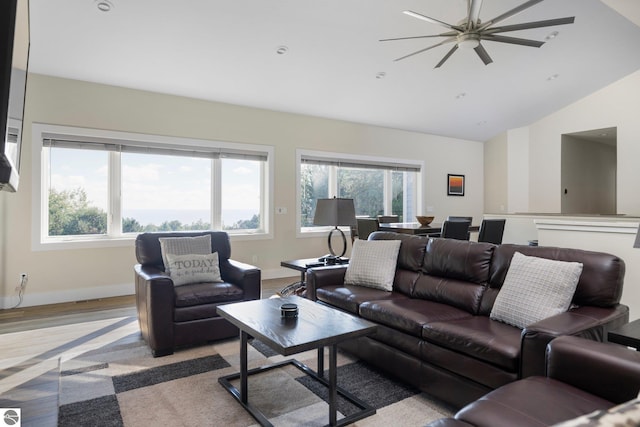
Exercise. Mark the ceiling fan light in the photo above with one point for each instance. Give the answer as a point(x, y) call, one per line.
point(469, 44)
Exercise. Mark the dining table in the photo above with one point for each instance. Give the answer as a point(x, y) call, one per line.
point(416, 228)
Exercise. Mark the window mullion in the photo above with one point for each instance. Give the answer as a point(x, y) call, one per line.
point(387, 192)
point(333, 181)
point(216, 194)
point(114, 215)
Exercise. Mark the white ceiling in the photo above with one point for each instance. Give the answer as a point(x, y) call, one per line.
point(226, 51)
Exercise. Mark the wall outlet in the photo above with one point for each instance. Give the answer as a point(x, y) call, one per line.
point(254, 258)
point(429, 208)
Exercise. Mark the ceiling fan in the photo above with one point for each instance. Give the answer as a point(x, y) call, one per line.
point(469, 32)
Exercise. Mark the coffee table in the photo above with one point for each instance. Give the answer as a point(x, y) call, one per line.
point(315, 327)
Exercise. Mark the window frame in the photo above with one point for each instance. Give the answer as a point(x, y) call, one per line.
point(387, 163)
point(40, 239)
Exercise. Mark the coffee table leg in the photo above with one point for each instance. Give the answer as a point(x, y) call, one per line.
point(333, 384)
point(243, 367)
point(320, 370)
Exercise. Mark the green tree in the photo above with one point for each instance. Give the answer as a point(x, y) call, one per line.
point(245, 224)
point(131, 225)
point(365, 187)
point(70, 213)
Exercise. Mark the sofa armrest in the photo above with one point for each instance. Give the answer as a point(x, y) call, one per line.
point(607, 370)
point(319, 277)
point(587, 322)
point(155, 300)
point(248, 277)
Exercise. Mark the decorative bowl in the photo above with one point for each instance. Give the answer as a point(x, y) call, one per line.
point(425, 220)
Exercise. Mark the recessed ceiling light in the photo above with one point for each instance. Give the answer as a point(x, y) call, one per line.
point(553, 77)
point(552, 35)
point(104, 5)
point(461, 95)
point(281, 50)
point(381, 75)
point(482, 123)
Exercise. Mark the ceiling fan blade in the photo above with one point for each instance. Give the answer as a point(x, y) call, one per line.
point(474, 13)
point(432, 20)
point(449, 34)
point(442, 61)
point(509, 13)
point(483, 54)
point(527, 25)
point(511, 40)
point(449, 40)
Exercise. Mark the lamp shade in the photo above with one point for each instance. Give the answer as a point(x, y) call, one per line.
point(335, 212)
point(636, 244)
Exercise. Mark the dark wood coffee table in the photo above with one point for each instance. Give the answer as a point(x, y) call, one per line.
point(315, 327)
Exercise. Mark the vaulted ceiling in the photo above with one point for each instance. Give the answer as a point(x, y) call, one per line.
point(334, 65)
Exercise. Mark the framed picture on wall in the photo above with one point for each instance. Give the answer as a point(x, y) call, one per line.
point(455, 184)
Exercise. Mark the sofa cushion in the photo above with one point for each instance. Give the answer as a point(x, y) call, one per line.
point(409, 314)
point(205, 293)
point(534, 289)
point(194, 268)
point(373, 264)
point(183, 246)
point(412, 248)
point(602, 277)
point(478, 337)
point(507, 407)
point(458, 259)
point(349, 297)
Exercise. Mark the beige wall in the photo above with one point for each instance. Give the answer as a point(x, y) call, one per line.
point(66, 275)
point(616, 105)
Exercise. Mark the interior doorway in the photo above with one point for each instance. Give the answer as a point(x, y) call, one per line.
point(589, 170)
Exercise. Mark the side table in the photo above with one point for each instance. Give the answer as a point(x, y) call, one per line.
point(628, 334)
point(302, 265)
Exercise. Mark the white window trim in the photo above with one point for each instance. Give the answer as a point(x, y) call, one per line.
point(39, 233)
point(300, 153)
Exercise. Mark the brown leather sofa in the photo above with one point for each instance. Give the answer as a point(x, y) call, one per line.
point(582, 376)
point(435, 331)
point(173, 316)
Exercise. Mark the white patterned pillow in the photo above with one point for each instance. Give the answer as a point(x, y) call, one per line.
point(534, 289)
point(373, 263)
point(194, 268)
point(183, 246)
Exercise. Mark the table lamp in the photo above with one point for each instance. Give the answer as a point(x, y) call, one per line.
point(335, 212)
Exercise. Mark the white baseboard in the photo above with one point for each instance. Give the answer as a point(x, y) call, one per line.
point(71, 295)
point(83, 294)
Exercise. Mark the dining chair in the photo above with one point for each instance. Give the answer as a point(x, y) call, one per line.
point(462, 218)
point(456, 230)
point(491, 231)
point(366, 226)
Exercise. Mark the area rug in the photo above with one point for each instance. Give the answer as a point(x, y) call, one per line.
point(121, 384)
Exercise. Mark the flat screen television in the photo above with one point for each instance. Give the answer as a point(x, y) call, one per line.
point(14, 59)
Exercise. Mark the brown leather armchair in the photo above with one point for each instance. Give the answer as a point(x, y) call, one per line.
point(173, 316)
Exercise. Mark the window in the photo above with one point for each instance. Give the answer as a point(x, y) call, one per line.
point(109, 186)
point(377, 186)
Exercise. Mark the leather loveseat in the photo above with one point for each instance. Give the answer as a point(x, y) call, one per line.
point(582, 377)
point(171, 316)
point(435, 330)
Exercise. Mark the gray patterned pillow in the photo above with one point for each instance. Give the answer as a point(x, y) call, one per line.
point(182, 246)
point(534, 289)
point(373, 263)
point(625, 414)
point(194, 268)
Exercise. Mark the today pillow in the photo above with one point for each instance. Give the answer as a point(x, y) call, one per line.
point(534, 289)
point(194, 268)
point(183, 246)
point(373, 263)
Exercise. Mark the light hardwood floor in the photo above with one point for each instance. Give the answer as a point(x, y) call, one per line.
point(33, 340)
